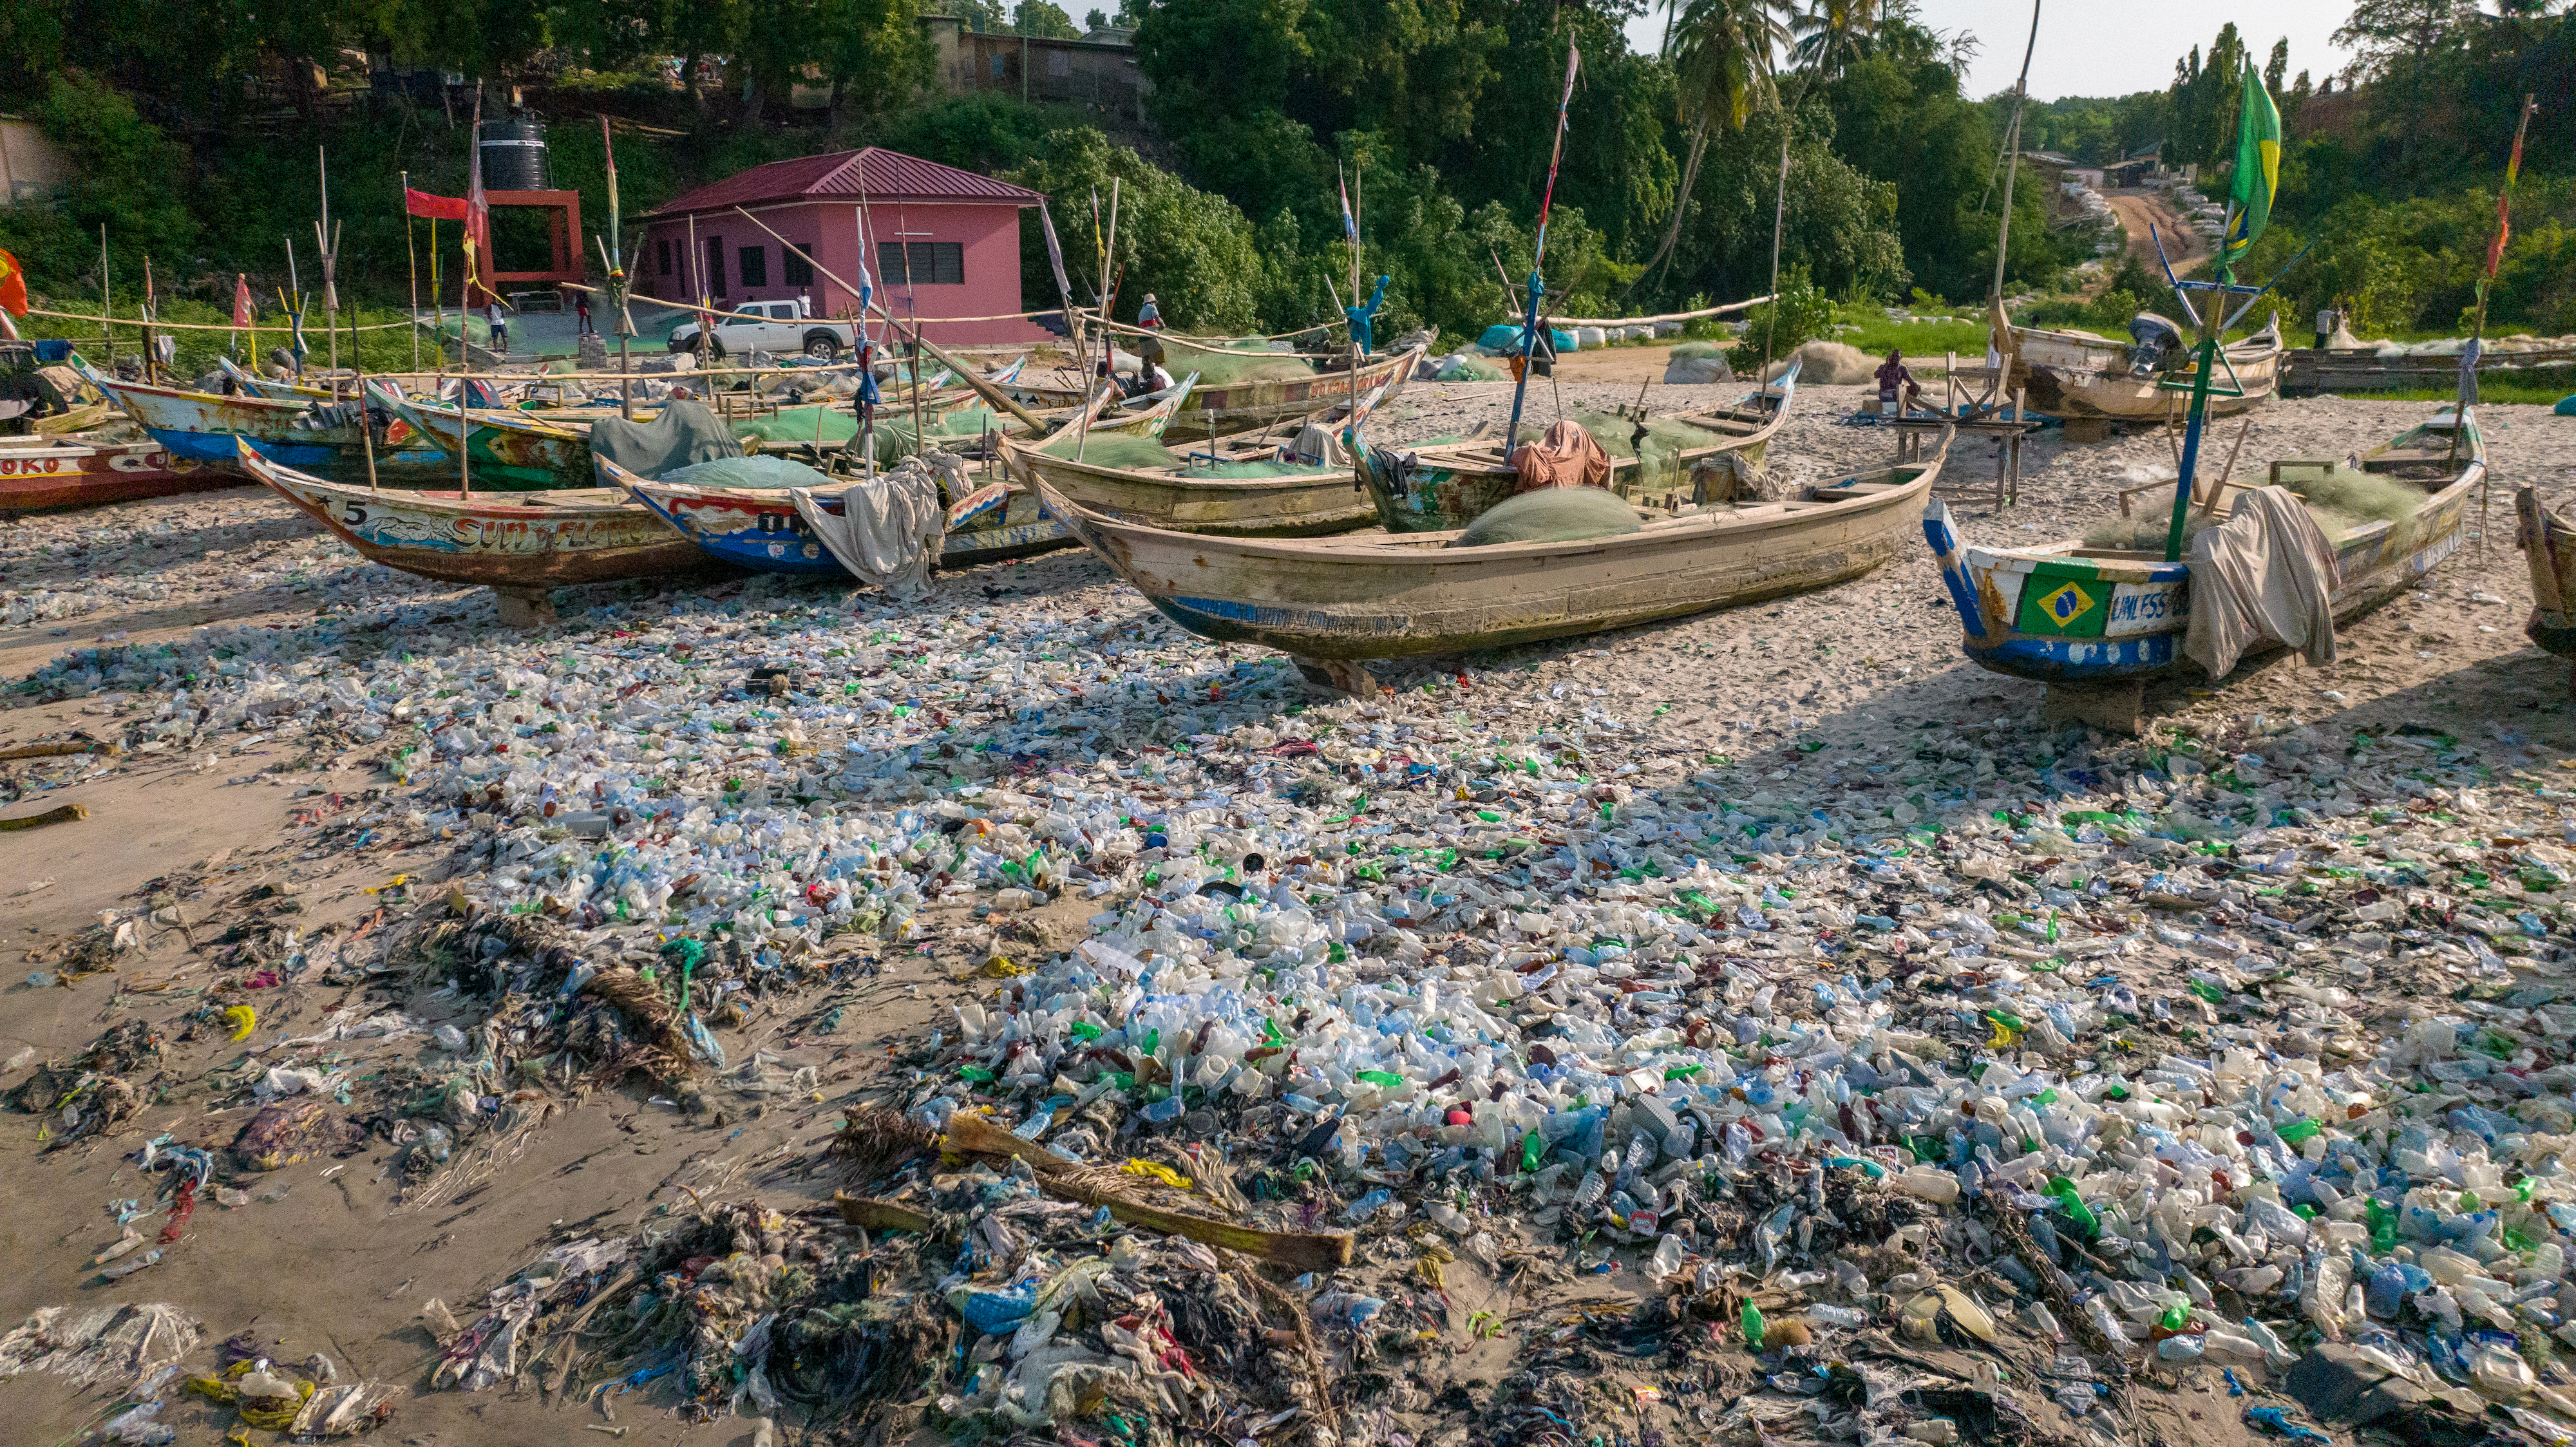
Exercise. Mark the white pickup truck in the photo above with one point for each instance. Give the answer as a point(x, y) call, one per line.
point(780, 331)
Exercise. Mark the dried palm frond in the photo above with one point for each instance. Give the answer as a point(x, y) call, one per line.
point(878, 1141)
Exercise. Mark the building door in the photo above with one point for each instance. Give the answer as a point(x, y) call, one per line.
point(715, 265)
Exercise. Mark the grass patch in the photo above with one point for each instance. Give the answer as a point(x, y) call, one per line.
point(1872, 330)
point(2541, 395)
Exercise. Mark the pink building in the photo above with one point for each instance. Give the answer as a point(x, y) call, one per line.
point(939, 242)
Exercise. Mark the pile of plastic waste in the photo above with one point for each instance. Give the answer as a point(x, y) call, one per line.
point(2230, 1052)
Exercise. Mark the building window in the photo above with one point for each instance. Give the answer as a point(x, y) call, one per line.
point(755, 265)
point(662, 255)
point(922, 263)
point(715, 265)
point(997, 67)
point(796, 265)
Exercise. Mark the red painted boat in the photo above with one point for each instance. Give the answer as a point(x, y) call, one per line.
point(39, 473)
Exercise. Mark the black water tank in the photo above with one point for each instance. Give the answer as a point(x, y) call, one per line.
point(514, 156)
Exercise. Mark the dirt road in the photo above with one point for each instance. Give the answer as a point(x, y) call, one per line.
point(2138, 210)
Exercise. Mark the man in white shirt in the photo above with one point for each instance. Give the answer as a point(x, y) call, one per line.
point(500, 324)
point(2328, 319)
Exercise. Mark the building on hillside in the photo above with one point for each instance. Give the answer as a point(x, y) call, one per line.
point(941, 245)
point(1098, 71)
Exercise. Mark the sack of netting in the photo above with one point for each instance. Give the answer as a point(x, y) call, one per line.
point(1698, 363)
point(1551, 515)
point(685, 433)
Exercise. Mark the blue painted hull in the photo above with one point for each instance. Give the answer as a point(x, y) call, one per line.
point(218, 447)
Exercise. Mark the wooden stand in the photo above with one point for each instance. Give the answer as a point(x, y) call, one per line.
point(1345, 675)
point(2115, 707)
point(526, 607)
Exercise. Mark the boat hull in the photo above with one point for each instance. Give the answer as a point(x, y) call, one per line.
point(762, 531)
point(70, 472)
point(1360, 598)
point(508, 454)
point(593, 536)
point(203, 427)
point(2549, 549)
point(1307, 505)
point(2055, 617)
point(1219, 411)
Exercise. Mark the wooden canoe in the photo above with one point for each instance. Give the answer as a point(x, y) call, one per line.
point(526, 542)
point(505, 450)
point(1381, 596)
point(2067, 614)
point(1247, 406)
point(2077, 374)
point(2549, 549)
point(205, 427)
point(40, 473)
point(1443, 488)
point(760, 528)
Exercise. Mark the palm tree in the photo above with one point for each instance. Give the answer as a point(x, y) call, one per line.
point(1833, 35)
point(1722, 52)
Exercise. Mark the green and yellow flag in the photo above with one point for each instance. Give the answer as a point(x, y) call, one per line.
point(2258, 167)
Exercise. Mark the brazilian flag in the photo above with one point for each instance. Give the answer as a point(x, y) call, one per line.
point(2258, 167)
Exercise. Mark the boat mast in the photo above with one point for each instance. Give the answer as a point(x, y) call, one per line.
point(1538, 255)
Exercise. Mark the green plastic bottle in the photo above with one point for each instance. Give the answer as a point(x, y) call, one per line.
point(2076, 1211)
point(2298, 1130)
point(1752, 1327)
point(1532, 1149)
point(2383, 1226)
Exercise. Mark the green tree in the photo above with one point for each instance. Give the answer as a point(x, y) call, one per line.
point(1040, 20)
point(2399, 39)
point(1193, 249)
point(1722, 52)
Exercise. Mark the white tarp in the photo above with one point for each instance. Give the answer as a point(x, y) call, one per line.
point(889, 529)
point(2267, 574)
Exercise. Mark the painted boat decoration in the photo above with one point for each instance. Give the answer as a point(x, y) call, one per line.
point(760, 529)
point(1248, 406)
point(2067, 614)
point(2077, 374)
point(524, 542)
point(1192, 498)
point(41, 473)
point(2549, 549)
point(204, 427)
point(506, 450)
point(258, 386)
point(1439, 489)
point(1393, 597)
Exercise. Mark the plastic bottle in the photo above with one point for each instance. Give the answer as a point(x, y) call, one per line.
point(1928, 1182)
point(1752, 1325)
point(1831, 1315)
point(2099, 1312)
point(1589, 1194)
point(2186, 1347)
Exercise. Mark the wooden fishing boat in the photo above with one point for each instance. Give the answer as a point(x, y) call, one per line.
point(1383, 596)
point(1438, 489)
point(203, 427)
point(520, 544)
point(40, 473)
point(760, 528)
point(1246, 406)
point(2078, 374)
point(259, 386)
point(505, 450)
point(1195, 497)
point(2067, 614)
point(2549, 549)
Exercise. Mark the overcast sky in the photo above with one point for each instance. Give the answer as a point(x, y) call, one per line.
point(2109, 47)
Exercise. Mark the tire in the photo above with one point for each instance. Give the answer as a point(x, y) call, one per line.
point(715, 349)
point(821, 346)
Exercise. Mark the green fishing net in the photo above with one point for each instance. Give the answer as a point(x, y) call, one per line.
point(2343, 500)
point(1551, 515)
point(1228, 366)
point(759, 472)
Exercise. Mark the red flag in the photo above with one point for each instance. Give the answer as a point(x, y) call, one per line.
point(478, 213)
point(13, 285)
point(241, 300)
point(437, 208)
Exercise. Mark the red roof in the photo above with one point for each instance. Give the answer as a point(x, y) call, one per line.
point(873, 172)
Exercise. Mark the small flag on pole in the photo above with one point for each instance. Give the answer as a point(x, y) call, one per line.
point(478, 211)
point(1350, 224)
point(2504, 205)
point(436, 208)
point(13, 285)
point(241, 300)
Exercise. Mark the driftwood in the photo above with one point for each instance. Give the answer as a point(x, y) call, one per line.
point(60, 814)
point(1067, 1181)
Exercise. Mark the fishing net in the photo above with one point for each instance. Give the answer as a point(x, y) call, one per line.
point(1113, 449)
point(1266, 469)
point(761, 472)
point(1552, 515)
point(2343, 500)
point(826, 425)
point(1227, 366)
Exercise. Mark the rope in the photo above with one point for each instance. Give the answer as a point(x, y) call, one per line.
point(277, 326)
point(1168, 334)
point(1707, 311)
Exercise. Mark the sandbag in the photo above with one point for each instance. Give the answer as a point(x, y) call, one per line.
point(1555, 515)
point(1698, 370)
point(686, 432)
point(748, 473)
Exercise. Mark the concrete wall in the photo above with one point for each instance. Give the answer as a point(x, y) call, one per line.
point(31, 165)
point(1100, 74)
point(988, 233)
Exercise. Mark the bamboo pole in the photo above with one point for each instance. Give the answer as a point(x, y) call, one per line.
point(411, 258)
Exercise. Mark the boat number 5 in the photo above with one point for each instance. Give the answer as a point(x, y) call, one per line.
point(355, 516)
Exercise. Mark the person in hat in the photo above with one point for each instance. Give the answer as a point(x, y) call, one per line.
point(1149, 316)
